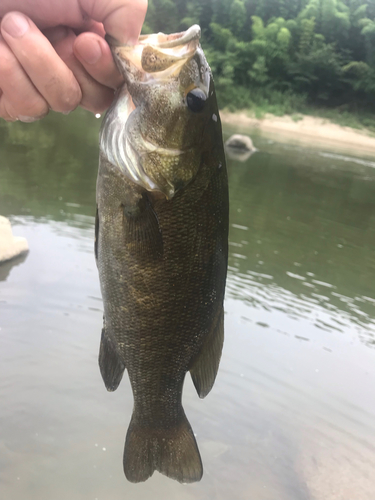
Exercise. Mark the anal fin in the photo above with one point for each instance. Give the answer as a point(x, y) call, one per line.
point(111, 366)
point(205, 366)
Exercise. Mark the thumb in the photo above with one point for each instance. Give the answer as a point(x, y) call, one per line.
point(122, 19)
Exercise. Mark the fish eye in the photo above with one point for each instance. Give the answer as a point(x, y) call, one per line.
point(195, 100)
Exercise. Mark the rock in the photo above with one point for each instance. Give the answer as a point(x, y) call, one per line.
point(239, 147)
point(238, 141)
point(10, 246)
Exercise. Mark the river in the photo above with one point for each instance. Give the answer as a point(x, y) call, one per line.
point(292, 413)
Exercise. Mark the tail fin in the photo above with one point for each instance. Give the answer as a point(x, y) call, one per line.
point(171, 451)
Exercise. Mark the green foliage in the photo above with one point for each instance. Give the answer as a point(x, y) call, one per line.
point(220, 36)
point(258, 71)
point(162, 16)
point(361, 76)
point(237, 16)
point(306, 38)
point(262, 52)
point(318, 73)
point(369, 34)
point(359, 13)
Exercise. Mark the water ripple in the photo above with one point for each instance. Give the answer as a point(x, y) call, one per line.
point(260, 292)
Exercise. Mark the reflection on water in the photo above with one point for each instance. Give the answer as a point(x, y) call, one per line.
point(6, 267)
point(292, 414)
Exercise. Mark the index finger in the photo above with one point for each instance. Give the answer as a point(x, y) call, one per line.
point(122, 19)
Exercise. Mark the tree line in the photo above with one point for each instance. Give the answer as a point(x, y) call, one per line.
point(320, 52)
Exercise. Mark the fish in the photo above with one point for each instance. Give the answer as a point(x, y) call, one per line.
point(161, 245)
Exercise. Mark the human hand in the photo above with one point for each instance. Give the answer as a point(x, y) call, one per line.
point(53, 54)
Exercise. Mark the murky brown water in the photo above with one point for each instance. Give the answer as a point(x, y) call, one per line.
point(292, 414)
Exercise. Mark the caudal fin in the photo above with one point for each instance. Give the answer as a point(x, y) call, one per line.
point(172, 451)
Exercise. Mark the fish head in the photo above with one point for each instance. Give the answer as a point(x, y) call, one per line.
point(163, 110)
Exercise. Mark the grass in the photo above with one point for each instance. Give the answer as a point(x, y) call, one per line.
point(296, 117)
point(258, 102)
point(359, 120)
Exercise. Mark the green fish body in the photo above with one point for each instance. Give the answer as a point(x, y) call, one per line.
point(162, 245)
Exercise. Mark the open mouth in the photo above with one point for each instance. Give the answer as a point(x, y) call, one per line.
point(163, 41)
point(157, 52)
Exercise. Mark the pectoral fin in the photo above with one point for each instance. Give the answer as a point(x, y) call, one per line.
point(143, 233)
point(96, 233)
point(204, 369)
point(111, 366)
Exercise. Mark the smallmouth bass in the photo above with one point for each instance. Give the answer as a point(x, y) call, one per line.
point(161, 245)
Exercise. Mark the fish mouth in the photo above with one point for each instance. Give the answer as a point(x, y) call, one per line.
point(157, 53)
point(161, 40)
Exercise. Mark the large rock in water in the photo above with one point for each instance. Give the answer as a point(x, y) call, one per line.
point(10, 246)
point(242, 142)
point(239, 147)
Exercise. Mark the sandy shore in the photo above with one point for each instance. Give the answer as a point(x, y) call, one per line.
point(304, 130)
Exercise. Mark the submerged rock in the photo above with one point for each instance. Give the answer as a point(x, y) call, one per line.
point(10, 246)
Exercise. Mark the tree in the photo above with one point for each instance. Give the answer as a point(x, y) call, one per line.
point(322, 49)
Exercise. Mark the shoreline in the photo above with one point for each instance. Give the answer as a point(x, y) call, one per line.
point(304, 130)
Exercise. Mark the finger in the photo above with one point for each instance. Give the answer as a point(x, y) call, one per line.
point(47, 13)
point(96, 57)
point(91, 26)
point(6, 110)
point(50, 75)
point(95, 96)
point(19, 98)
point(122, 19)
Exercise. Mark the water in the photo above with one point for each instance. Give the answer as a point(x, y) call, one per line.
point(292, 413)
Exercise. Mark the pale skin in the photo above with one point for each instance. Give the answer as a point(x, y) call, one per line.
point(53, 54)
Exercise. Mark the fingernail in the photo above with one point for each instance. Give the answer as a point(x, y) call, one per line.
point(90, 53)
point(31, 119)
point(27, 119)
point(15, 25)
